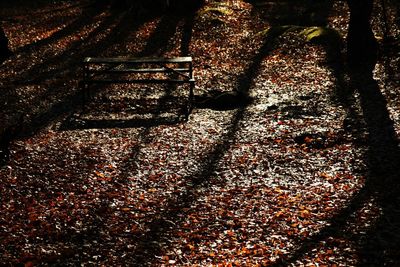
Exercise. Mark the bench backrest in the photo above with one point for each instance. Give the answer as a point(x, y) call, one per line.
point(97, 66)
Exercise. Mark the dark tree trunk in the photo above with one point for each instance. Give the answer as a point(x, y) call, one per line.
point(4, 50)
point(113, 4)
point(141, 6)
point(153, 6)
point(185, 6)
point(119, 4)
point(361, 43)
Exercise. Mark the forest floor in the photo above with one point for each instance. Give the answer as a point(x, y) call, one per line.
point(306, 174)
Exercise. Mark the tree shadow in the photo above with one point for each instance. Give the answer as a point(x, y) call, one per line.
point(167, 110)
point(158, 44)
point(67, 69)
point(65, 63)
point(187, 34)
point(87, 14)
point(60, 74)
point(34, 5)
point(379, 245)
point(382, 241)
point(59, 65)
point(60, 69)
point(166, 222)
point(159, 41)
point(302, 13)
point(82, 124)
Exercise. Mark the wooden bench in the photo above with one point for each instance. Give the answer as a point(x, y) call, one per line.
point(178, 70)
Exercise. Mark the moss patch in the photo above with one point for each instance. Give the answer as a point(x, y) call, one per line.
point(322, 35)
point(215, 14)
point(219, 11)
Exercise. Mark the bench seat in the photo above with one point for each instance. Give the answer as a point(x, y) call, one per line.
point(143, 70)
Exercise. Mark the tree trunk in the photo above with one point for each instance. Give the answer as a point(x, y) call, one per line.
point(361, 43)
point(185, 6)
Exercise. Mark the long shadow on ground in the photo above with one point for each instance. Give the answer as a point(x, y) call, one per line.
point(157, 44)
point(301, 12)
point(87, 14)
point(61, 80)
point(165, 223)
point(69, 70)
point(379, 245)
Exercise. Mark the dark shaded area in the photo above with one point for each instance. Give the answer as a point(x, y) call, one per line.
point(361, 43)
point(6, 137)
point(5, 52)
point(33, 8)
point(77, 123)
point(183, 7)
point(160, 41)
point(87, 15)
point(187, 34)
point(219, 100)
point(27, 3)
point(178, 7)
point(318, 140)
point(379, 245)
point(167, 110)
point(58, 71)
point(292, 12)
point(382, 241)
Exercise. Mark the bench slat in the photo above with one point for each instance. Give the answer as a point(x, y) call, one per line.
point(133, 70)
point(109, 71)
point(143, 81)
point(120, 60)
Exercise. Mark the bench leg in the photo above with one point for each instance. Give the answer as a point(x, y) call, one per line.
point(85, 94)
point(85, 86)
point(190, 101)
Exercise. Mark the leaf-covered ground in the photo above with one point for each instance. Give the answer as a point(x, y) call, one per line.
point(305, 175)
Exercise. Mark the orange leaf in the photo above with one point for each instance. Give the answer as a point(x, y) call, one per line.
point(230, 233)
point(305, 214)
point(308, 140)
point(326, 176)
